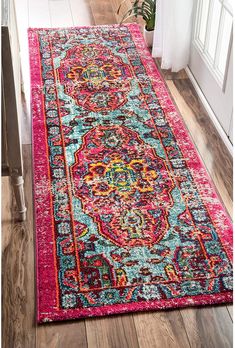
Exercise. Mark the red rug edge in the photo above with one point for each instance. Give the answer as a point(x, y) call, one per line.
point(185, 302)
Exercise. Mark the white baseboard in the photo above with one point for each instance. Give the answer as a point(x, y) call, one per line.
point(210, 112)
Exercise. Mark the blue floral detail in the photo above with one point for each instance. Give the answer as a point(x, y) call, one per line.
point(69, 301)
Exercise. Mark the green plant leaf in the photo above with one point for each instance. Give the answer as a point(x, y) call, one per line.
point(146, 9)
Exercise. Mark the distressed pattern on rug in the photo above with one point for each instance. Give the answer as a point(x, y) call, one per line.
point(127, 218)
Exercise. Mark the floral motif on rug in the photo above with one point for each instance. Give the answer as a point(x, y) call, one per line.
point(127, 218)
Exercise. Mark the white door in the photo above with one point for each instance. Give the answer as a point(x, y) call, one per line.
point(211, 60)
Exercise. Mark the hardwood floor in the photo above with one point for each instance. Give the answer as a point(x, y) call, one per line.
point(190, 327)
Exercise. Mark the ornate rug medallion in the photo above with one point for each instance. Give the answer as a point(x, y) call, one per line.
point(96, 78)
point(123, 185)
point(126, 216)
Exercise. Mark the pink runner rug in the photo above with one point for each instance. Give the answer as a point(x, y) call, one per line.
point(126, 216)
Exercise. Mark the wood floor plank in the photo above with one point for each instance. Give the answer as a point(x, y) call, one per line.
point(230, 310)
point(18, 302)
point(162, 329)
point(112, 332)
point(213, 145)
point(6, 211)
point(100, 15)
point(169, 75)
point(209, 327)
point(62, 335)
point(125, 6)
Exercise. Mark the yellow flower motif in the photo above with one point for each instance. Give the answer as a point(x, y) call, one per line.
point(120, 176)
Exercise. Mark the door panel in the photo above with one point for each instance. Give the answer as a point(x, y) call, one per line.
point(211, 60)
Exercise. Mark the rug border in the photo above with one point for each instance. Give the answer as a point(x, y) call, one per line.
point(169, 107)
point(142, 306)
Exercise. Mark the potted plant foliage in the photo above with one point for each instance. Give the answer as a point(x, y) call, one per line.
point(147, 10)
